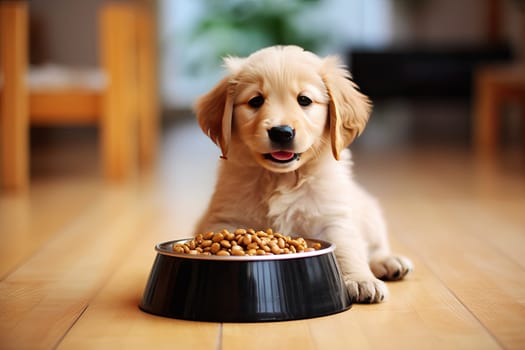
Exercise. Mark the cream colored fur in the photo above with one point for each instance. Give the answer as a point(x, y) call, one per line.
point(315, 195)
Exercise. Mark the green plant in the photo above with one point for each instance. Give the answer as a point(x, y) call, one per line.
point(236, 27)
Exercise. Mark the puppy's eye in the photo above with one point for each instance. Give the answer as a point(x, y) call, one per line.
point(256, 101)
point(304, 101)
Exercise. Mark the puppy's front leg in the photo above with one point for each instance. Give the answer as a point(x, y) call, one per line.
point(352, 256)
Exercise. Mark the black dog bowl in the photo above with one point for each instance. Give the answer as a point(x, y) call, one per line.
point(245, 288)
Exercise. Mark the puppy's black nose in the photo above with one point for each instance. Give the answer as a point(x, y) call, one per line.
point(281, 134)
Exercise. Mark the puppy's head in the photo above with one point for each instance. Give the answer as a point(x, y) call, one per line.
point(283, 105)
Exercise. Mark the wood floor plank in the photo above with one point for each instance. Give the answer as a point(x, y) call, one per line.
point(495, 221)
point(483, 277)
point(28, 220)
point(117, 305)
point(43, 298)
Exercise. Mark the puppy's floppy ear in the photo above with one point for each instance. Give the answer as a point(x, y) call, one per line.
point(214, 113)
point(348, 108)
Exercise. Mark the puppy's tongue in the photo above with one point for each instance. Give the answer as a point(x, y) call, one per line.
point(282, 155)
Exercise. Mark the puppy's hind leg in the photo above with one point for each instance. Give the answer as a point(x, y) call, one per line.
point(384, 265)
point(389, 267)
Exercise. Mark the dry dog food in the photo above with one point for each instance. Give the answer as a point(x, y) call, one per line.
point(244, 242)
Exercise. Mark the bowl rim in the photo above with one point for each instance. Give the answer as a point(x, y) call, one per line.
point(166, 248)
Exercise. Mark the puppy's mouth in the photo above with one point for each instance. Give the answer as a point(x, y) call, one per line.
point(282, 156)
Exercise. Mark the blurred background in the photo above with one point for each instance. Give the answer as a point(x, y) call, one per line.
point(422, 62)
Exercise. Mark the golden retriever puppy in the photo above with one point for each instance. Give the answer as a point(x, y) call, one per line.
point(283, 119)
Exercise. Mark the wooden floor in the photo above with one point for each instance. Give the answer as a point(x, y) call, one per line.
point(75, 254)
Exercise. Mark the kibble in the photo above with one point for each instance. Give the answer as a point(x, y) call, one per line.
point(244, 242)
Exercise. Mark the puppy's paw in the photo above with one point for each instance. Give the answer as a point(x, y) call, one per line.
point(367, 290)
point(391, 268)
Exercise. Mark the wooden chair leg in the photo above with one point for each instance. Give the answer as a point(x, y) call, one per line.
point(147, 84)
point(486, 123)
point(14, 127)
point(522, 118)
point(119, 120)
